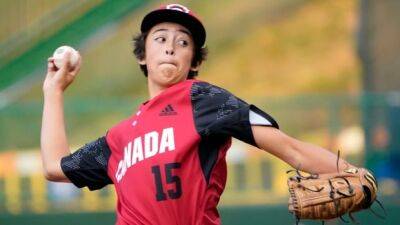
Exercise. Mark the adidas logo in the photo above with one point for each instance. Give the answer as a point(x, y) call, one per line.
point(168, 111)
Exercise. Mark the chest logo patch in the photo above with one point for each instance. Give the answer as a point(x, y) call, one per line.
point(168, 111)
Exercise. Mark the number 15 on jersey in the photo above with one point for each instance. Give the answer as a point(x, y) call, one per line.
point(170, 178)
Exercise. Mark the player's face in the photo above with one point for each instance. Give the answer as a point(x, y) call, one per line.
point(169, 52)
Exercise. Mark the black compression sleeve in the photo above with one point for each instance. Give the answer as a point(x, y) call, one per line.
point(88, 165)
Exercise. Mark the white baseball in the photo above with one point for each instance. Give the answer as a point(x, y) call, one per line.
point(59, 53)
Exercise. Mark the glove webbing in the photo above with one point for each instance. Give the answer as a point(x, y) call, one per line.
point(336, 201)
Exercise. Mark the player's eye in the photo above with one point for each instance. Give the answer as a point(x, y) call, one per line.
point(183, 43)
point(160, 39)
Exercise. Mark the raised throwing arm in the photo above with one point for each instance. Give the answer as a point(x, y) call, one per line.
point(54, 143)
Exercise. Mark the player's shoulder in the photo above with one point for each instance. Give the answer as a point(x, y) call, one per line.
point(204, 90)
point(117, 128)
point(208, 98)
point(123, 123)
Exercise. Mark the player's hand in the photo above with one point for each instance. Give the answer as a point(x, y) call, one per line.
point(59, 79)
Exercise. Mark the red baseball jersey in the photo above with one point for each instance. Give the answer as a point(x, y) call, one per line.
point(167, 161)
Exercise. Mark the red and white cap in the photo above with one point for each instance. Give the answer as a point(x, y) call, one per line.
point(178, 14)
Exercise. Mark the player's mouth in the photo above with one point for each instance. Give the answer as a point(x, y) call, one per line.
point(168, 63)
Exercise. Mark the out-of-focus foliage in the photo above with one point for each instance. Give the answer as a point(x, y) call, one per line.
point(306, 48)
point(256, 48)
point(25, 23)
point(17, 16)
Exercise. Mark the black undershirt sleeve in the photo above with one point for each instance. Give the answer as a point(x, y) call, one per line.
point(87, 167)
point(217, 112)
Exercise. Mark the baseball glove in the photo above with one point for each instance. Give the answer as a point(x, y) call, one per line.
point(328, 196)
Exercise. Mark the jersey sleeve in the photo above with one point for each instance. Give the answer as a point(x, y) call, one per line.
point(88, 165)
point(217, 112)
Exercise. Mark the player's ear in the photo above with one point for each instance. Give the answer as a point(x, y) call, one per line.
point(142, 61)
point(195, 68)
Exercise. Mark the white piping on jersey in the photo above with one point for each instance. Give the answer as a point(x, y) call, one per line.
point(256, 119)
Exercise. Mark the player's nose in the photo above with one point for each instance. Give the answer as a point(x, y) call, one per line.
point(170, 48)
point(169, 51)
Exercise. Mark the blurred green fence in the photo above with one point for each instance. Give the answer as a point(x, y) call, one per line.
point(317, 118)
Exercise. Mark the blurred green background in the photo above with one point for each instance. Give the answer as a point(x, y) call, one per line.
point(327, 70)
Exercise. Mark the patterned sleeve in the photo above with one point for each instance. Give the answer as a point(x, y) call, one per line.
point(88, 165)
point(218, 112)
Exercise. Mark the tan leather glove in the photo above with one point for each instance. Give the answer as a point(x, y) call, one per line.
point(328, 196)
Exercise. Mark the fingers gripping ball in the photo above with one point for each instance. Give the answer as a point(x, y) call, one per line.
point(59, 55)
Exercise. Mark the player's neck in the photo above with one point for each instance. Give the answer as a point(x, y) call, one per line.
point(155, 88)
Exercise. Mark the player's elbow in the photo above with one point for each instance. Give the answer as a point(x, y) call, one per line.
point(53, 173)
point(50, 175)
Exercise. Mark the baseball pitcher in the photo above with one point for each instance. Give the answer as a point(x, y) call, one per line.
point(167, 160)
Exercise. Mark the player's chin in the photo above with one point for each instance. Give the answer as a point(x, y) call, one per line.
point(171, 79)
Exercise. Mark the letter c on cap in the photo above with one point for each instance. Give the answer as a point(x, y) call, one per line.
point(178, 7)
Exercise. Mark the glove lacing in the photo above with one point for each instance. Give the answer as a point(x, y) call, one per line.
point(336, 201)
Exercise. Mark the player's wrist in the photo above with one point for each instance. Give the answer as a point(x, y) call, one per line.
point(52, 92)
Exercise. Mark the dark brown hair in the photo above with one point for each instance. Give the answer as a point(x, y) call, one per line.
point(139, 51)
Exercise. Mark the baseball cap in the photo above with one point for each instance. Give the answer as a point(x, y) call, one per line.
point(178, 14)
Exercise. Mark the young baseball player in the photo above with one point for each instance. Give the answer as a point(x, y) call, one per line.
point(167, 160)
